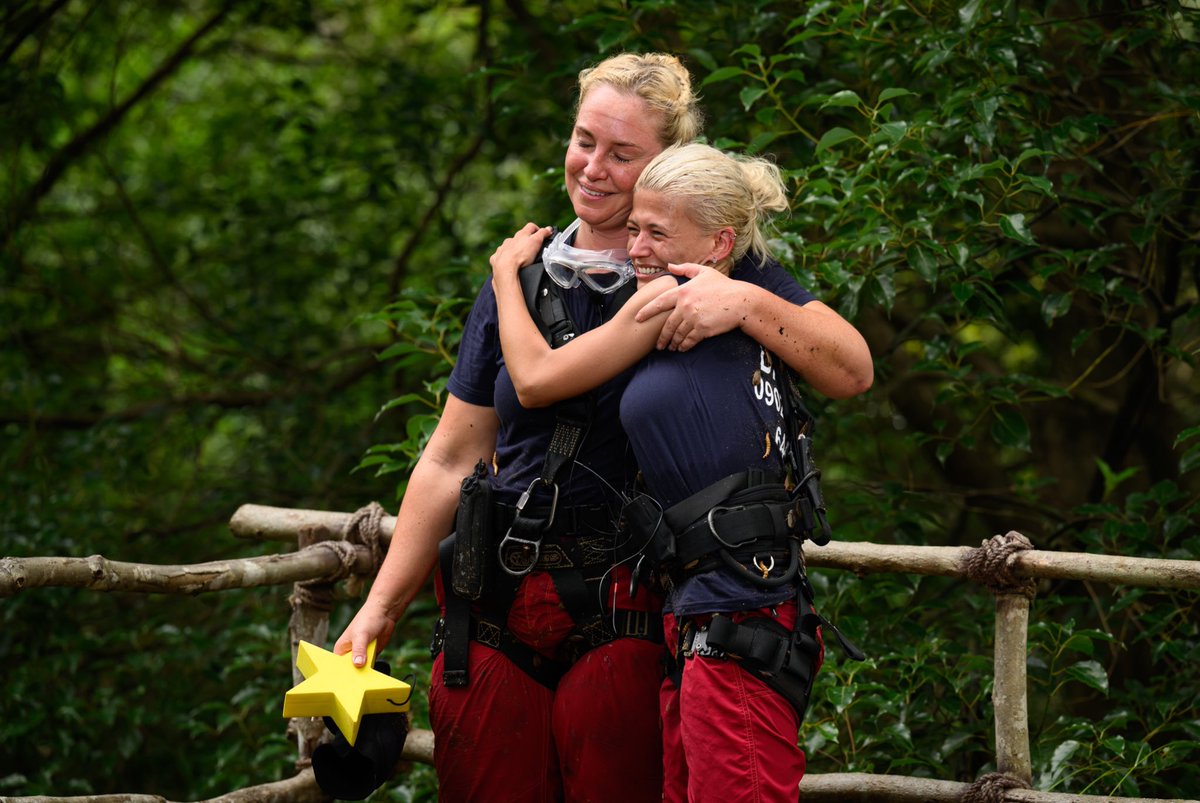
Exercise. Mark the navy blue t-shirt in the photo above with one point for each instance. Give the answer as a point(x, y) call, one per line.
point(698, 416)
point(604, 464)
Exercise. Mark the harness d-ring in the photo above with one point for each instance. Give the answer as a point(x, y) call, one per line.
point(510, 540)
point(788, 576)
point(765, 569)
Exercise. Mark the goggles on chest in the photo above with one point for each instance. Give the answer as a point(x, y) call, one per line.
point(602, 271)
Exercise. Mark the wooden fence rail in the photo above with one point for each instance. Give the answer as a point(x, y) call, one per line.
point(332, 546)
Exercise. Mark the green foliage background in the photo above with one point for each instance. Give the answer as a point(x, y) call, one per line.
point(239, 240)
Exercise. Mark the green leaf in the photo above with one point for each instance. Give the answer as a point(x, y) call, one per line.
point(969, 13)
point(1014, 226)
point(1040, 184)
point(1010, 429)
point(1054, 306)
point(840, 696)
point(750, 94)
point(834, 136)
point(1114, 479)
point(1090, 673)
point(723, 74)
point(1186, 435)
point(763, 140)
point(923, 262)
point(893, 92)
point(845, 97)
point(1031, 153)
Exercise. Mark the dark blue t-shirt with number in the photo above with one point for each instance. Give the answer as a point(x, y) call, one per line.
point(697, 416)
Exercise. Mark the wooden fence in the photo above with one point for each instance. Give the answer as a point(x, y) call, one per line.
point(333, 547)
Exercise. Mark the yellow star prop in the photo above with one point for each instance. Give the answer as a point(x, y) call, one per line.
point(334, 687)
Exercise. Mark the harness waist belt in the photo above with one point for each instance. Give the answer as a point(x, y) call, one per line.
point(734, 526)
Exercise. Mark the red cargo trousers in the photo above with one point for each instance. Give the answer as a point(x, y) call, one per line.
point(505, 738)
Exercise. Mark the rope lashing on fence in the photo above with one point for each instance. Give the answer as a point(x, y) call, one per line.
point(991, 788)
point(365, 528)
point(991, 565)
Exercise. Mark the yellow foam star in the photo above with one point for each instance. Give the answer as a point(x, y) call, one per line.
point(334, 687)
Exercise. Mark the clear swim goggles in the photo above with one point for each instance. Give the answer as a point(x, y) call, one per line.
point(602, 271)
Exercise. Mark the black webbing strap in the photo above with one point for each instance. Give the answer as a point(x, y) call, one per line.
point(460, 627)
point(571, 420)
point(740, 510)
point(806, 476)
point(743, 525)
point(456, 627)
point(572, 416)
point(680, 515)
point(582, 601)
point(787, 661)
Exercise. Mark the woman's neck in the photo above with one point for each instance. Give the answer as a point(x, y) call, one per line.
point(593, 238)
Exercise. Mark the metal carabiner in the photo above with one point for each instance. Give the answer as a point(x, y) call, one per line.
point(511, 541)
point(524, 500)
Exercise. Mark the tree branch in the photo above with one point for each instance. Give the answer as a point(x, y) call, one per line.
point(83, 142)
point(483, 48)
point(98, 573)
point(36, 20)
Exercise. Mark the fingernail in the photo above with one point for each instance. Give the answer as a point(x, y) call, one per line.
point(359, 660)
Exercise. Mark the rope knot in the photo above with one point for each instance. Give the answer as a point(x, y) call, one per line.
point(992, 565)
point(990, 788)
point(365, 527)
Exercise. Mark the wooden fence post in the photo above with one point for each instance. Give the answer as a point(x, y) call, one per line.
point(1010, 698)
point(993, 565)
point(311, 602)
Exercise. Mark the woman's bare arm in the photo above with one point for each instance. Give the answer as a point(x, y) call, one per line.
point(813, 339)
point(465, 434)
point(542, 375)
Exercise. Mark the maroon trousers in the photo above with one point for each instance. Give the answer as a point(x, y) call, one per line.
point(727, 737)
point(505, 737)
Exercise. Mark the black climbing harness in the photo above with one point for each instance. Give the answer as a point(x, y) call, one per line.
point(751, 523)
point(496, 545)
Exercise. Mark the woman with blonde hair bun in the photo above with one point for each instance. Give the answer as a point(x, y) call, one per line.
point(721, 440)
point(545, 681)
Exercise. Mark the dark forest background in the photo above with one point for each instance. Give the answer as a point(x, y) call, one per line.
point(239, 239)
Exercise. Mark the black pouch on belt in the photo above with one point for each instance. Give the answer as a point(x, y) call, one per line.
point(473, 536)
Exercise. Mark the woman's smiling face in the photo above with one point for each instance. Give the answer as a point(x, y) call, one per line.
point(660, 232)
point(615, 137)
